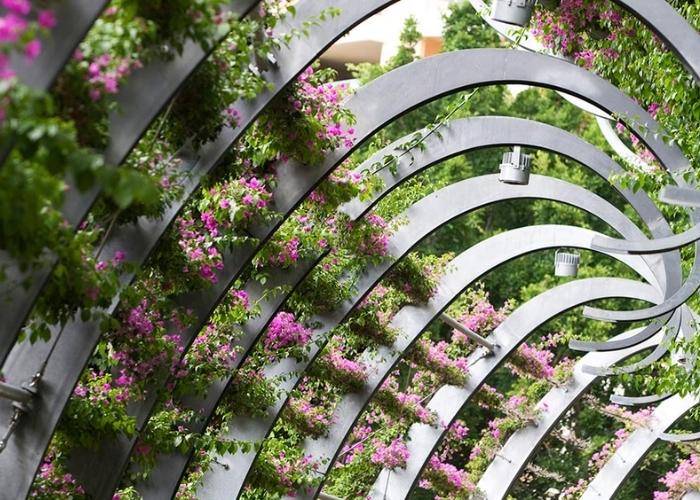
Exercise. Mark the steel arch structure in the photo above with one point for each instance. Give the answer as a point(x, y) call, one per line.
point(447, 402)
point(496, 66)
point(423, 218)
point(502, 473)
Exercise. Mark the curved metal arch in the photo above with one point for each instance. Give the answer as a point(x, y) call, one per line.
point(140, 238)
point(449, 400)
point(411, 321)
point(139, 102)
point(687, 329)
point(149, 89)
point(294, 181)
point(468, 134)
point(74, 18)
point(603, 119)
point(679, 438)
point(487, 66)
point(678, 45)
point(679, 324)
point(657, 15)
point(423, 218)
point(639, 400)
point(527, 43)
point(682, 196)
point(690, 41)
point(352, 15)
point(519, 448)
point(459, 137)
point(689, 287)
point(102, 482)
point(626, 458)
point(658, 245)
point(671, 330)
point(611, 345)
point(472, 133)
point(518, 68)
point(496, 131)
point(493, 65)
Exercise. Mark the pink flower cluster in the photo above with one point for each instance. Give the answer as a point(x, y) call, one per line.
point(239, 298)
point(642, 151)
point(288, 254)
point(13, 25)
point(142, 346)
point(212, 347)
point(104, 73)
point(284, 331)
point(223, 210)
point(685, 478)
point(342, 370)
point(355, 444)
point(196, 247)
point(391, 456)
point(562, 30)
point(641, 418)
point(447, 479)
point(375, 241)
point(481, 318)
point(434, 357)
point(286, 467)
point(321, 102)
point(344, 177)
point(308, 413)
point(403, 403)
point(457, 433)
point(599, 458)
point(101, 390)
point(53, 482)
point(575, 490)
point(118, 258)
point(531, 361)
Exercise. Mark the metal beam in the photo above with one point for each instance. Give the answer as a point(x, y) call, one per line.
point(486, 66)
point(424, 439)
point(475, 337)
point(461, 136)
point(139, 101)
point(631, 453)
point(411, 321)
point(500, 475)
point(423, 218)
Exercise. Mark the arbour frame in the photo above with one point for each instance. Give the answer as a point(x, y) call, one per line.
point(461, 136)
point(422, 221)
point(294, 187)
point(449, 400)
point(502, 473)
point(140, 101)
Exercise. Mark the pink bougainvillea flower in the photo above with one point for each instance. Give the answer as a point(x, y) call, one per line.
point(11, 27)
point(22, 7)
point(46, 19)
point(32, 49)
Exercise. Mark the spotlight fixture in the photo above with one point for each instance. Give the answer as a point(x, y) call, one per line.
point(515, 12)
point(566, 263)
point(515, 168)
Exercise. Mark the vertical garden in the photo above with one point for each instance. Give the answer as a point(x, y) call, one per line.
point(226, 274)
